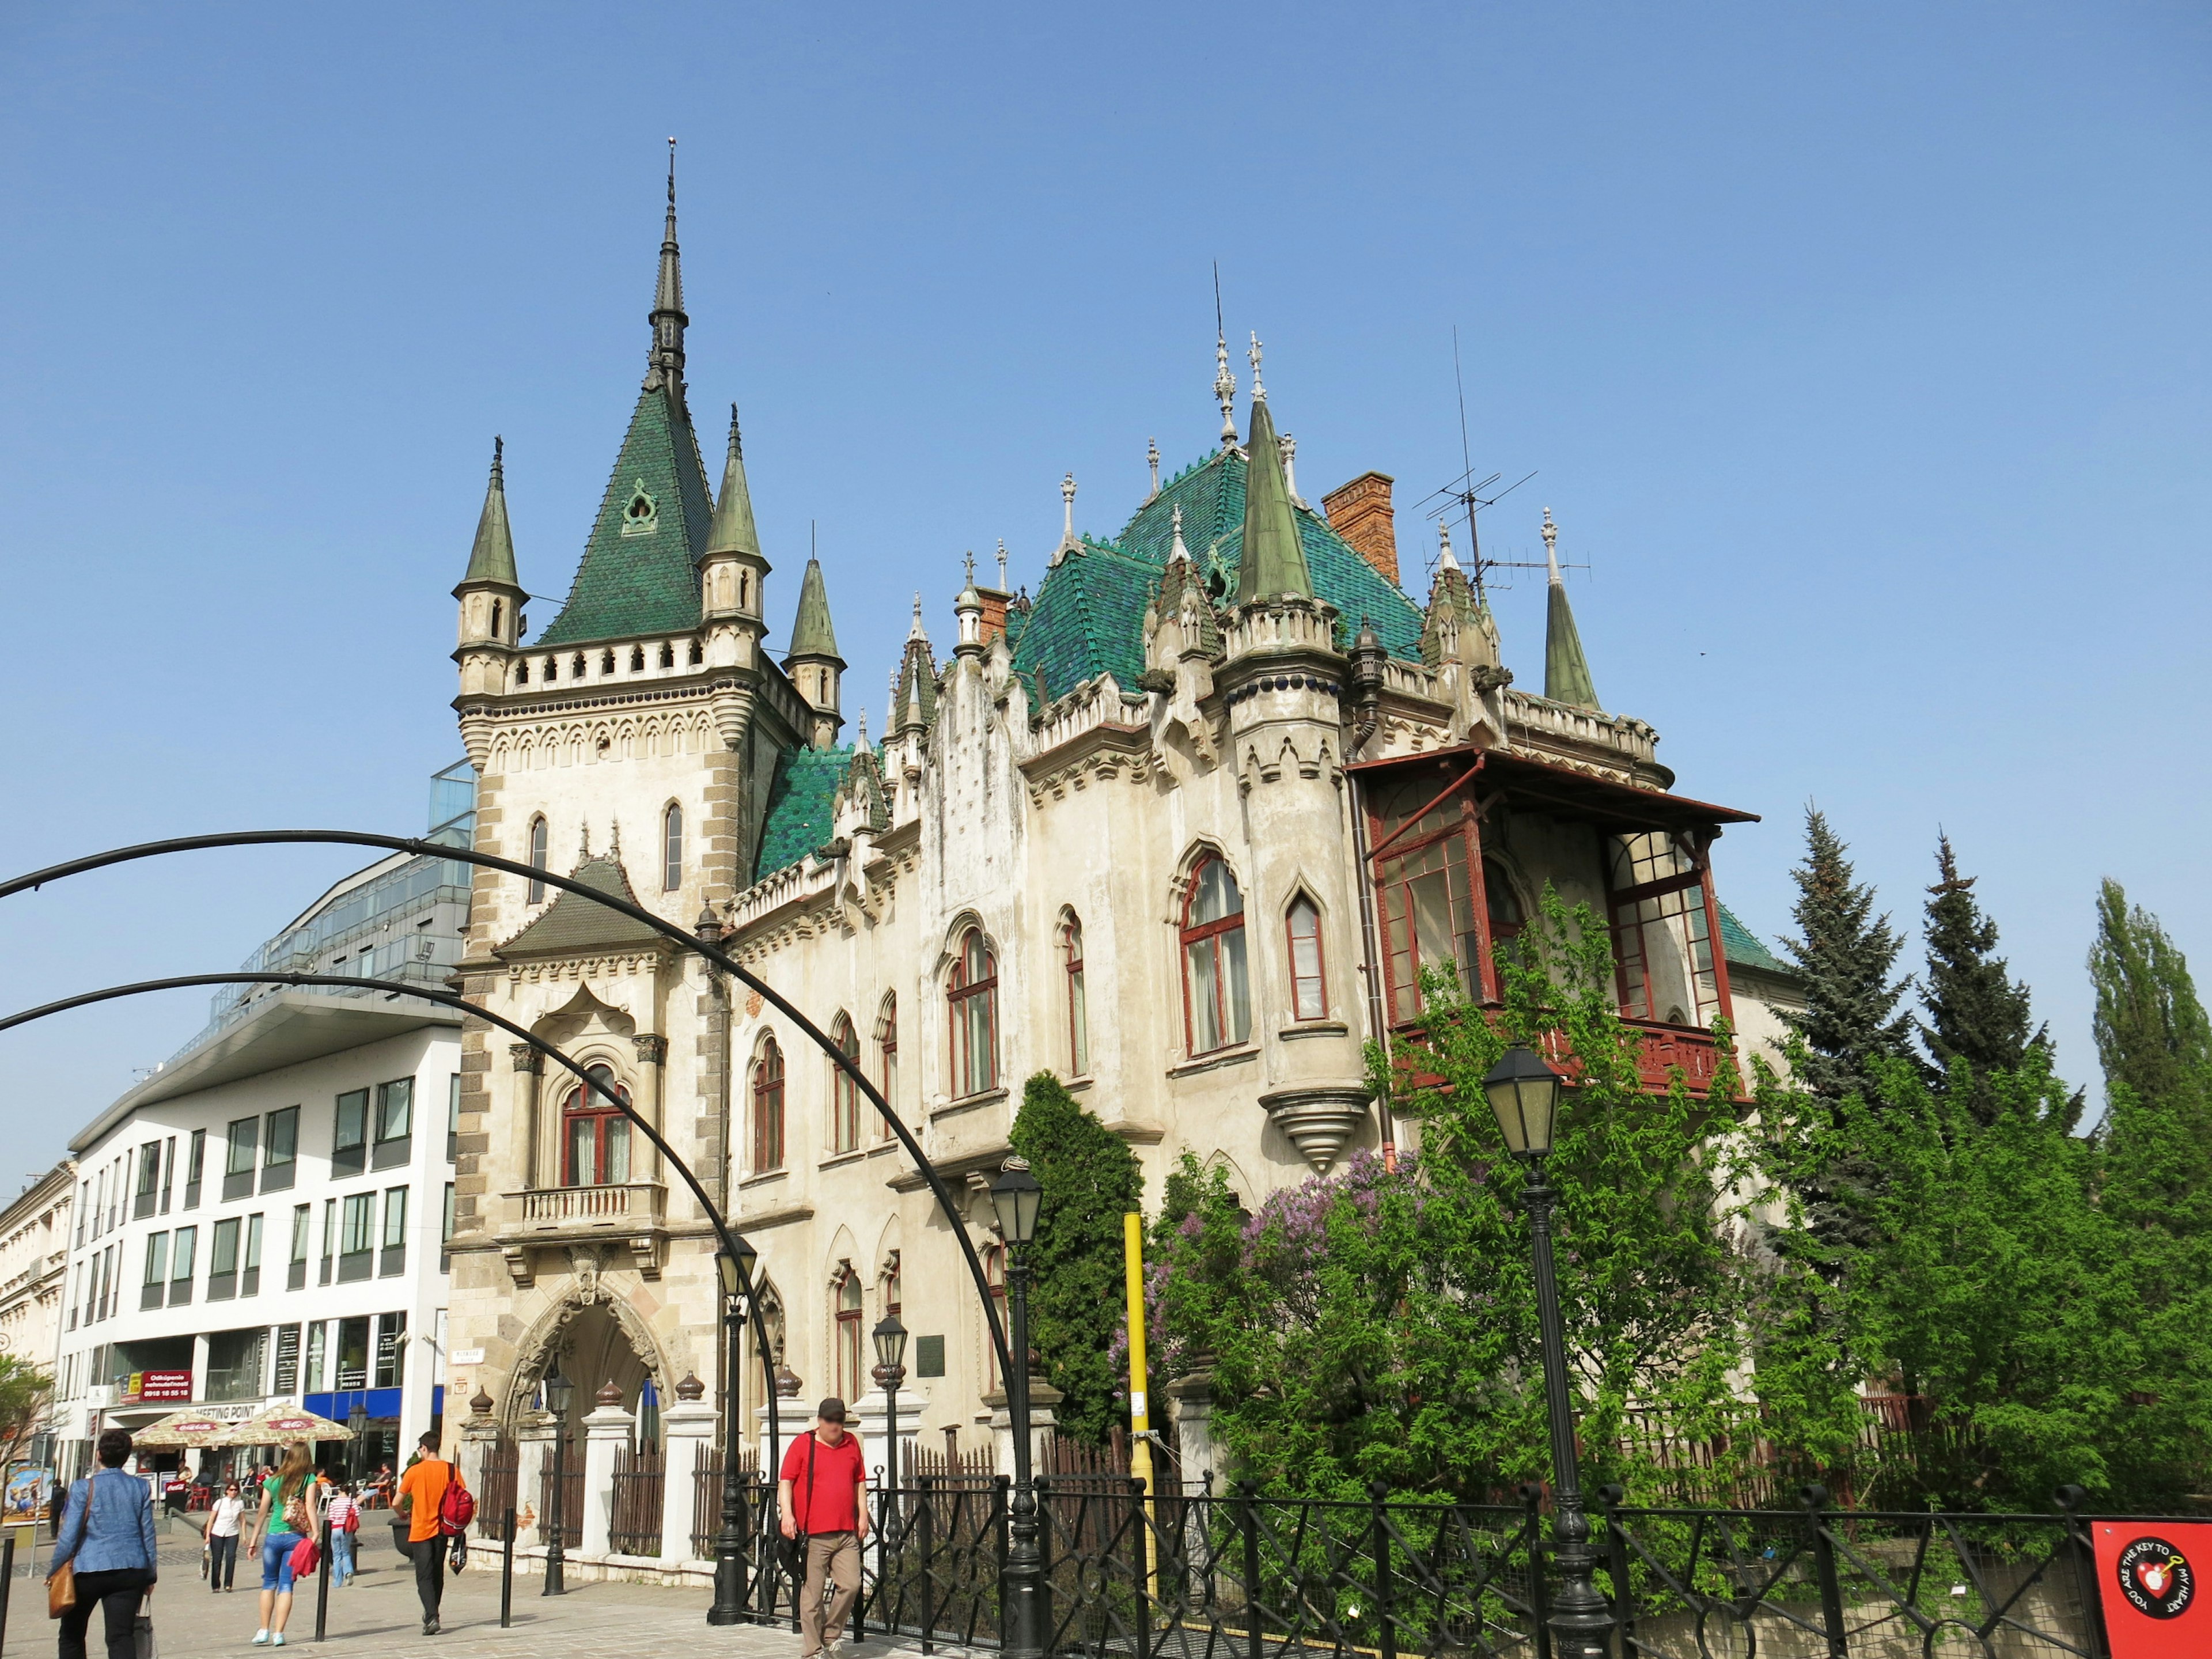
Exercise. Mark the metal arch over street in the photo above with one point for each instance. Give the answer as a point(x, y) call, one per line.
point(956, 1221)
point(395, 988)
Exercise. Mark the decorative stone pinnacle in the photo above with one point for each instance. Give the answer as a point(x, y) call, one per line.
point(1153, 458)
point(1289, 446)
point(690, 1388)
point(1551, 533)
point(971, 566)
point(1002, 564)
point(1258, 392)
point(914, 632)
point(1224, 391)
point(609, 1394)
point(583, 842)
point(499, 460)
point(1445, 559)
point(863, 741)
point(1067, 541)
point(1178, 552)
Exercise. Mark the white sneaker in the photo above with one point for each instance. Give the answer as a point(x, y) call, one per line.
point(278, 1640)
point(260, 1637)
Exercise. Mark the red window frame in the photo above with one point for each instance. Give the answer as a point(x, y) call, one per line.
point(767, 1108)
point(1629, 924)
point(584, 1106)
point(1210, 934)
point(975, 977)
point(1319, 978)
point(1393, 898)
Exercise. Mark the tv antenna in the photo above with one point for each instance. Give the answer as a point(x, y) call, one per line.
point(1467, 494)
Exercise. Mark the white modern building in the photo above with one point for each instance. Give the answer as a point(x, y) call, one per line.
point(263, 1219)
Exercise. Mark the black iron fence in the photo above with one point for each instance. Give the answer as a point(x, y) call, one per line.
point(634, 1526)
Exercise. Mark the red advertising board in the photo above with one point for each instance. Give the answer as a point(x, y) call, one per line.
point(160, 1387)
point(2148, 1580)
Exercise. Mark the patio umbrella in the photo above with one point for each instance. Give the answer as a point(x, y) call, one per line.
point(189, 1427)
point(277, 1425)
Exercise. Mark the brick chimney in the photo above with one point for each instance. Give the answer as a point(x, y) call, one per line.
point(1360, 512)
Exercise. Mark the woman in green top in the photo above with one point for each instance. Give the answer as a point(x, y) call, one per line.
point(288, 1512)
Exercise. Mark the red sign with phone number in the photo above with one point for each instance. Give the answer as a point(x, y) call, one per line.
point(2146, 1579)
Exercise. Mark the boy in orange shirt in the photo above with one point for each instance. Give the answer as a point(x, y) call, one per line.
point(422, 1496)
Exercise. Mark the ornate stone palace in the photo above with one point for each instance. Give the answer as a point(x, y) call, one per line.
point(1181, 830)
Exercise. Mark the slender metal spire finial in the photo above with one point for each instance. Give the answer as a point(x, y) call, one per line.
point(1551, 533)
point(499, 461)
point(1224, 383)
point(1002, 564)
point(863, 741)
point(1258, 392)
point(971, 567)
point(736, 445)
point(664, 363)
point(1067, 541)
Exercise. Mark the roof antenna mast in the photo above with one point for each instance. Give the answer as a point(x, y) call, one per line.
point(1465, 492)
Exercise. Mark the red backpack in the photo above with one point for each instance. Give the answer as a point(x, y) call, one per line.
point(457, 1507)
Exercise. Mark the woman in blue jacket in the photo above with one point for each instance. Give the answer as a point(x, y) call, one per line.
point(108, 1535)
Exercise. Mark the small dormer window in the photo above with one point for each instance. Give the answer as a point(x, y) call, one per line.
point(552, 668)
point(642, 514)
point(576, 667)
point(667, 654)
point(637, 660)
point(606, 662)
point(522, 673)
point(698, 653)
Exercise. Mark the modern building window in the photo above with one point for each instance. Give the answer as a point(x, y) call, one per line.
point(311, 1380)
point(329, 1237)
point(1078, 1015)
point(1216, 993)
point(249, 1268)
point(972, 1001)
point(887, 1057)
point(357, 1238)
point(280, 1150)
point(155, 1288)
point(391, 1351)
point(296, 1270)
point(844, 1093)
point(594, 1134)
point(195, 1164)
point(238, 1164)
point(287, 1377)
point(671, 848)
point(236, 1362)
point(453, 1118)
point(350, 1138)
point(767, 1108)
point(182, 1256)
point(1309, 988)
point(395, 1124)
point(149, 1180)
point(393, 1259)
point(537, 848)
point(352, 1354)
point(223, 1261)
point(850, 1339)
point(446, 1233)
point(168, 1172)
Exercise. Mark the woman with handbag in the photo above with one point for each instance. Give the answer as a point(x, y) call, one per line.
point(103, 1551)
point(288, 1518)
point(225, 1518)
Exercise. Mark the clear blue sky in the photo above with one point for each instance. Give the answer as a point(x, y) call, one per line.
point(1861, 352)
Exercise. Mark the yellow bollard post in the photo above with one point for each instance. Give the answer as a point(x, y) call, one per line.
point(1140, 1421)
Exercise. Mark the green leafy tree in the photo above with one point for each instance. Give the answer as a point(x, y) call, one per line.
point(25, 1387)
point(1091, 1179)
point(1979, 1015)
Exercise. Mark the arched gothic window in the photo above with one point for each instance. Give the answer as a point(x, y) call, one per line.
point(851, 1340)
point(972, 1000)
point(1079, 1018)
point(594, 1135)
point(887, 1056)
point(844, 1093)
point(537, 857)
point(767, 1108)
point(671, 848)
point(1309, 986)
point(1216, 992)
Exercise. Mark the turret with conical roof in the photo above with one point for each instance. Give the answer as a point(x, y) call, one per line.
point(1567, 670)
point(813, 662)
point(914, 693)
point(1274, 563)
point(733, 572)
point(490, 593)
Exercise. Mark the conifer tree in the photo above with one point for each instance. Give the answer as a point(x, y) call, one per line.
point(1978, 1013)
point(2156, 1046)
point(1091, 1179)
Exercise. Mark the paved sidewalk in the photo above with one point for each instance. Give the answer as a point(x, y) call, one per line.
point(379, 1615)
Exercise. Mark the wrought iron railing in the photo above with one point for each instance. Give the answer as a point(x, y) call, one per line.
point(634, 1524)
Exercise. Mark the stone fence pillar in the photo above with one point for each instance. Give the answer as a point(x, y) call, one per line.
point(873, 1423)
point(1192, 1395)
point(688, 1424)
point(533, 1459)
point(1043, 1398)
point(606, 1429)
point(479, 1434)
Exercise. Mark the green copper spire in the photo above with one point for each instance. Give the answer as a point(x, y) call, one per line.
point(733, 530)
point(1274, 563)
point(811, 635)
point(492, 558)
point(1567, 670)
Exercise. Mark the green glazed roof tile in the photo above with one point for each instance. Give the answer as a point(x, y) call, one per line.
point(1742, 947)
point(801, 807)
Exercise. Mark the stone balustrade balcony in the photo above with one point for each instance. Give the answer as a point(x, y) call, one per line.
point(629, 1216)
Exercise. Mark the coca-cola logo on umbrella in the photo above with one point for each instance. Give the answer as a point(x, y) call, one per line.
point(2156, 1579)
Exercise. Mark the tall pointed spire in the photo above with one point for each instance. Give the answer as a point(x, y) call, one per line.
point(733, 530)
point(492, 558)
point(665, 364)
point(811, 633)
point(1273, 561)
point(1567, 670)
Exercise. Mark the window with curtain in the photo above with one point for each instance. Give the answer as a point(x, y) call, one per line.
point(537, 858)
point(1217, 997)
point(852, 1378)
point(767, 1108)
point(1309, 991)
point(887, 1057)
point(594, 1134)
point(671, 848)
point(844, 1093)
point(1078, 1016)
point(972, 1001)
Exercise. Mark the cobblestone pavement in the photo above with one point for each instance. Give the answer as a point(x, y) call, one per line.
point(378, 1614)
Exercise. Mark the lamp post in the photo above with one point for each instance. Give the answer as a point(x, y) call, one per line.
point(890, 1336)
point(357, 1425)
point(1017, 1197)
point(558, 1392)
point(1524, 1092)
point(737, 1273)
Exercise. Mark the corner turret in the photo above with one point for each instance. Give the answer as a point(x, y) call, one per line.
point(1567, 670)
point(490, 593)
point(813, 662)
point(733, 572)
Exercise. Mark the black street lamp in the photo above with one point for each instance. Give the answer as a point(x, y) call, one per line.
point(559, 1390)
point(890, 1371)
point(737, 1273)
point(1017, 1197)
point(1524, 1092)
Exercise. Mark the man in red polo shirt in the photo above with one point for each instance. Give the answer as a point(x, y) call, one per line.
point(824, 1488)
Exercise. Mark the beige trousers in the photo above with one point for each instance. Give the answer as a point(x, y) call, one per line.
point(835, 1556)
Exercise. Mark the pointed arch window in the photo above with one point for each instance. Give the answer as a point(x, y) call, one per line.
point(1309, 985)
point(1079, 1018)
point(497, 612)
point(972, 1000)
point(537, 838)
point(850, 1339)
point(887, 1057)
point(594, 1134)
point(844, 1093)
point(671, 848)
point(522, 673)
point(767, 1108)
point(1216, 990)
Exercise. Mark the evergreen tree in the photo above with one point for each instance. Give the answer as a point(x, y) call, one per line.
point(2153, 1039)
point(1978, 1013)
point(1091, 1179)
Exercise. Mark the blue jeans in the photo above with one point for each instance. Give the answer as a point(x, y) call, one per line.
point(341, 1556)
point(276, 1560)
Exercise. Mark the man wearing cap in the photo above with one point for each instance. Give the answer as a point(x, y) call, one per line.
point(824, 1490)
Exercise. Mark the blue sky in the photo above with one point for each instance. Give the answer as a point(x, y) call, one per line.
point(1860, 352)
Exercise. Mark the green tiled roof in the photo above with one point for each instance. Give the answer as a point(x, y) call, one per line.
point(644, 583)
point(1742, 947)
point(1089, 614)
point(573, 922)
point(801, 807)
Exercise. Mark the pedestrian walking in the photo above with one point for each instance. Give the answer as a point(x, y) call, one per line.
point(287, 1515)
point(422, 1500)
point(342, 1511)
point(106, 1540)
point(225, 1517)
point(823, 1487)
